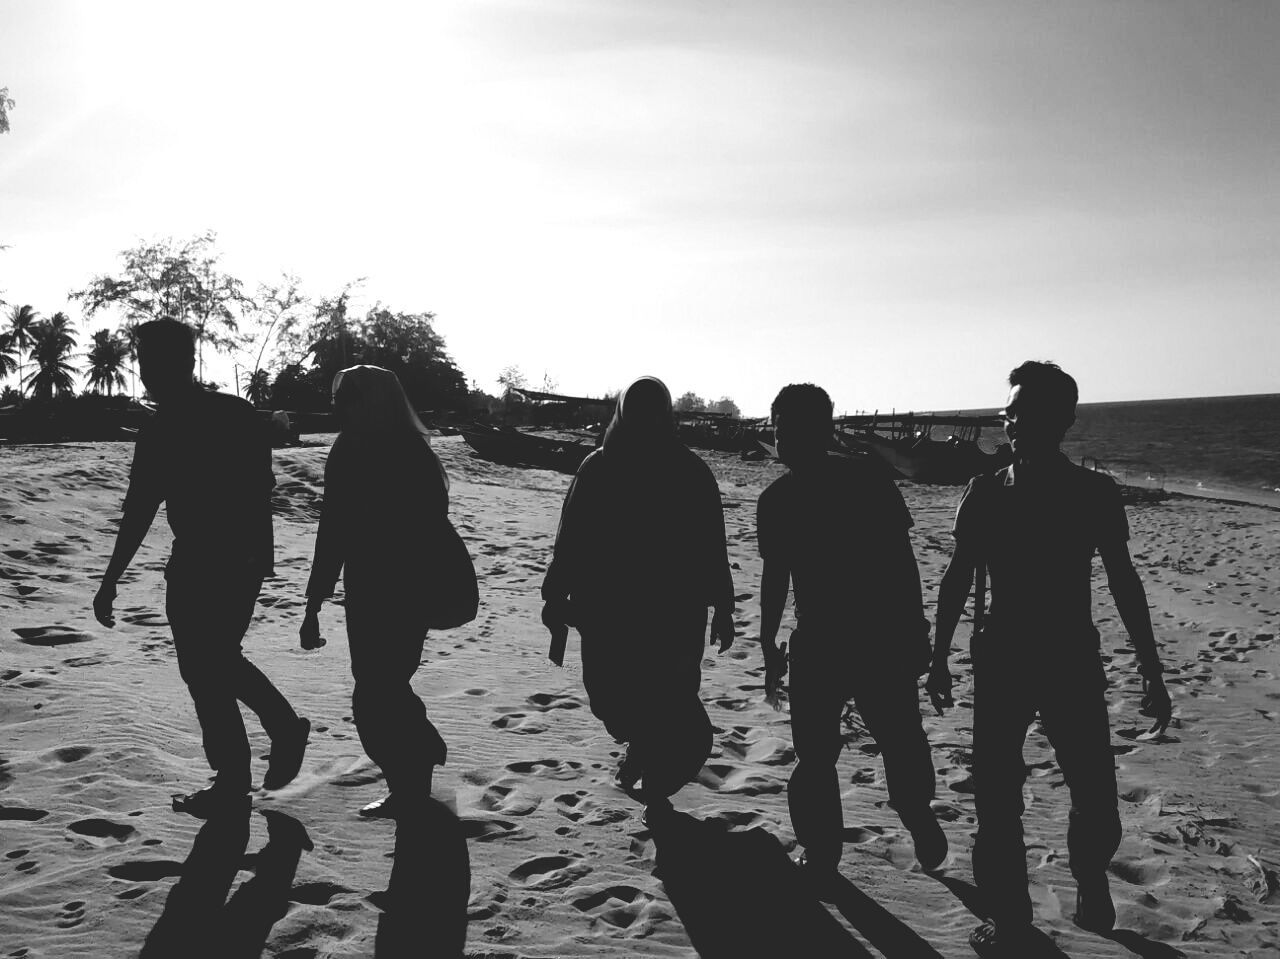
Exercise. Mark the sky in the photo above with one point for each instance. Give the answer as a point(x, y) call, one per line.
point(899, 201)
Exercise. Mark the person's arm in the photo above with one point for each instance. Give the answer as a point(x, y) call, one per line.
point(1131, 602)
point(953, 593)
point(775, 581)
point(328, 559)
point(141, 503)
point(557, 584)
point(721, 576)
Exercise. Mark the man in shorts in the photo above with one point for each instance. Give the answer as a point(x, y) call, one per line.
point(836, 528)
point(207, 457)
point(1035, 526)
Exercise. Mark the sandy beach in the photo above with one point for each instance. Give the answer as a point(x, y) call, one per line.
point(97, 731)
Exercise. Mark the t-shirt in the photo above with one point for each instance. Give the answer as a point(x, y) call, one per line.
point(208, 459)
point(1037, 534)
point(832, 529)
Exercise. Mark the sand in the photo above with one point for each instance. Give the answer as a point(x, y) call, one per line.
point(96, 732)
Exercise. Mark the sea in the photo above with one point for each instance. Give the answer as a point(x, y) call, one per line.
point(1217, 446)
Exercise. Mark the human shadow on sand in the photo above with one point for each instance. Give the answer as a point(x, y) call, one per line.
point(738, 894)
point(1135, 942)
point(424, 907)
point(198, 920)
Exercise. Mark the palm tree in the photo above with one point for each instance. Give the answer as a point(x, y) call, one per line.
point(7, 352)
point(21, 319)
point(107, 359)
point(52, 342)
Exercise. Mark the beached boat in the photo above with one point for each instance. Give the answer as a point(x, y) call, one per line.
point(511, 447)
point(905, 441)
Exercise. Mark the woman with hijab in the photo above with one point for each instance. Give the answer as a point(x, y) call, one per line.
point(639, 556)
point(385, 498)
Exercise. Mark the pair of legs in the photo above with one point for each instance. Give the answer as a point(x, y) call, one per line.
point(643, 680)
point(209, 616)
point(826, 672)
point(386, 640)
point(1072, 706)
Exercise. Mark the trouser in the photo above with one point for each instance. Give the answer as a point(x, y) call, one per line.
point(1072, 707)
point(209, 617)
point(386, 649)
point(643, 681)
point(826, 674)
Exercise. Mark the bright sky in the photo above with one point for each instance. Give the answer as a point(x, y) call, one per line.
point(897, 200)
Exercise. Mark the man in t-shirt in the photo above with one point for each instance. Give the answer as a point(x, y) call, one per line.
point(207, 457)
point(1036, 525)
point(836, 528)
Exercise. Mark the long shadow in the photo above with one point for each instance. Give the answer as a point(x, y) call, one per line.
point(424, 908)
point(1040, 946)
point(882, 929)
point(1139, 944)
point(197, 919)
point(738, 894)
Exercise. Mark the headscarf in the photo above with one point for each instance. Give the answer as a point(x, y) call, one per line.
point(643, 421)
point(378, 406)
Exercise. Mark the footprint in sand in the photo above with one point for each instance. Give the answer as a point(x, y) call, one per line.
point(509, 799)
point(548, 701)
point(50, 635)
point(101, 832)
point(547, 768)
point(70, 915)
point(21, 813)
point(766, 750)
point(620, 906)
point(730, 779)
point(487, 830)
point(550, 872)
point(578, 809)
point(520, 724)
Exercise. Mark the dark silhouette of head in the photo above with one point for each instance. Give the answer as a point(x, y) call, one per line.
point(370, 400)
point(802, 424)
point(643, 417)
point(166, 357)
point(1040, 409)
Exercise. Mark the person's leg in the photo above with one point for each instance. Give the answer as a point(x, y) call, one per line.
point(1002, 712)
point(890, 706)
point(1076, 723)
point(386, 649)
point(813, 793)
point(207, 627)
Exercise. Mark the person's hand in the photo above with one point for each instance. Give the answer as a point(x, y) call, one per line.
point(775, 667)
point(1156, 704)
point(722, 628)
point(922, 650)
point(938, 686)
point(103, 601)
point(309, 633)
point(553, 617)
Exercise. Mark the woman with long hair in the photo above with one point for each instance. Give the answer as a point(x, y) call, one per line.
point(386, 496)
point(639, 556)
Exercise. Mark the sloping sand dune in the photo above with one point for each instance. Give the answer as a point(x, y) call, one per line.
point(533, 851)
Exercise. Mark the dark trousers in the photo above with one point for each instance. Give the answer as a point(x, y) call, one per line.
point(386, 640)
point(643, 680)
point(826, 674)
point(209, 617)
point(1072, 706)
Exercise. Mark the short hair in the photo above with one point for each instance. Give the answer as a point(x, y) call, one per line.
point(803, 401)
point(167, 340)
point(1049, 381)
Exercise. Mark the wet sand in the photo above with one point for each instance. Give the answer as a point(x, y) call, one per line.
point(96, 732)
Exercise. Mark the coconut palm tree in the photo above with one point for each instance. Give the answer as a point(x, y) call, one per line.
point(21, 319)
point(52, 341)
point(7, 353)
point(107, 358)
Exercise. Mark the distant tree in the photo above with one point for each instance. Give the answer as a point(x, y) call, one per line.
point(6, 104)
point(8, 355)
point(549, 383)
point(276, 314)
point(512, 378)
point(52, 341)
point(21, 320)
point(170, 278)
point(726, 405)
point(107, 358)
point(690, 403)
point(257, 389)
point(9, 396)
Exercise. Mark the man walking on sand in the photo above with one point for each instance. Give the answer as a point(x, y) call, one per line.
point(1036, 525)
point(837, 529)
point(208, 459)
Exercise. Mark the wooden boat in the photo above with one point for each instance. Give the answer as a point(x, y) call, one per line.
point(905, 441)
point(513, 448)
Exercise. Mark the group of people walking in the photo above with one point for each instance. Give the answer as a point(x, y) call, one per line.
point(640, 557)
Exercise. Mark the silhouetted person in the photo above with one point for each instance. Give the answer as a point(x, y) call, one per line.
point(639, 556)
point(386, 497)
point(207, 457)
point(1036, 525)
point(837, 529)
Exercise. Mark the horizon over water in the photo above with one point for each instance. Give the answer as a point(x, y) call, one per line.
point(1207, 445)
